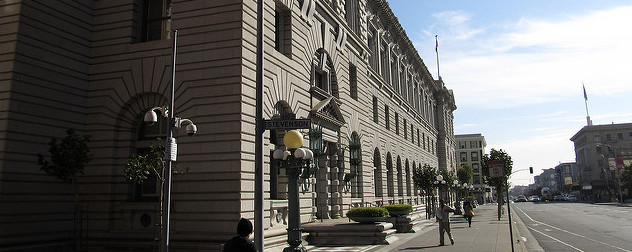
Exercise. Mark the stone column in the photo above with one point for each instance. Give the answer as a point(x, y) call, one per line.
point(323, 188)
point(335, 186)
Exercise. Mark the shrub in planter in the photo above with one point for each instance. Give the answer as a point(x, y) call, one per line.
point(367, 214)
point(399, 209)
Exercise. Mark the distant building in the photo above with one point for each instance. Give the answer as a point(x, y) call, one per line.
point(599, 150)
point(548, 178)
point(567, 176)
point(470, 150)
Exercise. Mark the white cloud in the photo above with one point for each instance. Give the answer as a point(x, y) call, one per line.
point(535, 61)
point(456, 25)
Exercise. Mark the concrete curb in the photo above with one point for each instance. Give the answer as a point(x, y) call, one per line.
point(531, 244)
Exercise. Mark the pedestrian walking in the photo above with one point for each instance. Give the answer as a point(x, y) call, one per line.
point(468, 212)
point(241, 243)
point(443, 217)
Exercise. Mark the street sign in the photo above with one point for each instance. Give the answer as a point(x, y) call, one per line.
point(287, 124)
point(496, 168)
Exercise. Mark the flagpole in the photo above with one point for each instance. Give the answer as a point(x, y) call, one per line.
point(588, 121)
point(437, 52)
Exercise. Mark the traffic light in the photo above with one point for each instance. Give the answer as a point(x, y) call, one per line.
point(531, 170)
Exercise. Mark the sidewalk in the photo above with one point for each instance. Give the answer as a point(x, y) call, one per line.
point(486, 234)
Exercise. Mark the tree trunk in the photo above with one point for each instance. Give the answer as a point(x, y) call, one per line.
point(76, 217)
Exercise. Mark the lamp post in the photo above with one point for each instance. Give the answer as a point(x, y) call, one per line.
point(438, 183)
point(457, 205)
point(295, 160)
point(171, 146)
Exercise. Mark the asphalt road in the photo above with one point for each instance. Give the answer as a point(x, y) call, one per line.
point(569, 226)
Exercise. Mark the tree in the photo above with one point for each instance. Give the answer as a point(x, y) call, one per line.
point(143, 165)
point(626, 178)
point(68, 159)
point(465, 173)
point(424, 178)
point(499, 183)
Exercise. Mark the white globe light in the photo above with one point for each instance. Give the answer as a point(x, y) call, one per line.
point(439, 177)
point(299, 153)
point(308, 154)
point(456, 182)
point(443, 182)
point(277, 154)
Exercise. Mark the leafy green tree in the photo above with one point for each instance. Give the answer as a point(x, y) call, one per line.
point(499, 183)
point(424, 178)
point(152, 163)
point(142, 165)
point(465, 173)
point(68, 159)
point(626, 178)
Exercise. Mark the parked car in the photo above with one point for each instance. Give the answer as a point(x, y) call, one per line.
point(521, 198)
point(558, 198)
point(534, 198)
point(570, 197)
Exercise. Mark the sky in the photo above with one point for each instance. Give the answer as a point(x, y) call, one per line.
point(517, 68)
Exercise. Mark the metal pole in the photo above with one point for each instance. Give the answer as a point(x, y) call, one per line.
point(294, 236)
point(259, 133)
point(509, 214)
point(166, 204)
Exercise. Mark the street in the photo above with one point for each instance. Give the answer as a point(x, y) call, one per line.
point(566, 226)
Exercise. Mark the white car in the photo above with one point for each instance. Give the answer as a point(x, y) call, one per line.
point(521, 198)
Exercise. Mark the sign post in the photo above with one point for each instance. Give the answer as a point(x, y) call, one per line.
point(497, 170)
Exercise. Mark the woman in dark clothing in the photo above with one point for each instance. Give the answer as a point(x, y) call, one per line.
point(241, 242)
point(468, 212)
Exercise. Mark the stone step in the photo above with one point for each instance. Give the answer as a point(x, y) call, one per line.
point(350, 233)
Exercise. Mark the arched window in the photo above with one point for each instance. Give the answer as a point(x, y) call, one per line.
point(377, 178)
point(324, 78)
point(390, 178)
point(149, 190)
point(400, 178)
point(277, 190)
point(408, 181)
point(355, 160)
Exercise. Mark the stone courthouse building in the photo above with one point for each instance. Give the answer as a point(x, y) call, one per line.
point(98, 65)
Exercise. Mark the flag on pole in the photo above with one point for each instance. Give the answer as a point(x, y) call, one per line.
point(436, 43)
point(585, 96)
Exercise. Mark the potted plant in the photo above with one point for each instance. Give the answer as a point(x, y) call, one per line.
point(367, 214)
point(399, 209)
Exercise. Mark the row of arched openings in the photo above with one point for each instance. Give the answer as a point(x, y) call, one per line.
point(398, 179)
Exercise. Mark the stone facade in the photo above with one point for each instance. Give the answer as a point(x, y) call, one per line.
point(98, 66)
point(596, 148)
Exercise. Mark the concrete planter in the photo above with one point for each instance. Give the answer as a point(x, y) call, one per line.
point(399, 213)
point(367, 220)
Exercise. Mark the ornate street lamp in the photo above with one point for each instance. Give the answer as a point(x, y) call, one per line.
point(295, 160)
